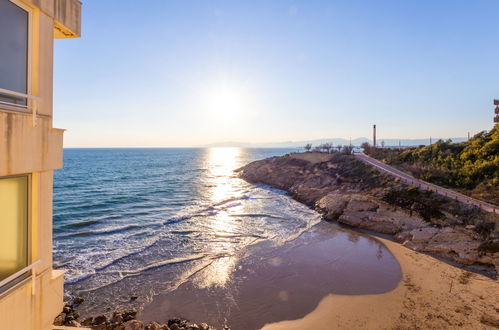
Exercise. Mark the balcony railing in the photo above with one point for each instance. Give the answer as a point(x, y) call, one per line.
point(31, 100)
point(20, 273)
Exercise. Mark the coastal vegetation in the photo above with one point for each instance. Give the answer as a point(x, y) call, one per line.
point(329, 148)
point(471, 167)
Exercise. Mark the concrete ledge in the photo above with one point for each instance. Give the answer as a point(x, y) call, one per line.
point(27, 149)
point(57, 273)
point(67, 19)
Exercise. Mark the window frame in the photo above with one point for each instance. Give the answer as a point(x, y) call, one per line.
point(29, 271)
point(4, 105)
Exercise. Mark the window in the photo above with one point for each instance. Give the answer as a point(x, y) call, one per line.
point(13, 51)
point(13, 225)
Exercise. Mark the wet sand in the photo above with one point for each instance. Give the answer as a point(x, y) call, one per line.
point(276, 283)
point(432, 295)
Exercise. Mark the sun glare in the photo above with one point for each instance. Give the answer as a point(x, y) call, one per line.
point(226, 101)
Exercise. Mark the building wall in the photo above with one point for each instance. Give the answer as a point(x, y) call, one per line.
point(35, 148)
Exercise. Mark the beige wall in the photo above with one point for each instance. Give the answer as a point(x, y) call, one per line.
point(26, 149)
point(34, 147)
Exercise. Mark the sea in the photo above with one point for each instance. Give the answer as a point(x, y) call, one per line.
point(132, 224)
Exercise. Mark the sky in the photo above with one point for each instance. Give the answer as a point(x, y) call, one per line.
point(168, 73)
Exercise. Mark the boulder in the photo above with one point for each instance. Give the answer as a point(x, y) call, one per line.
point(133, 325)
point(78, 300)
point(88, 321)
point(359, 203)
point(128, 315)
point(59, 320)
point(117, 317)
point(203, 326)
point(155, 326)
point(99, 320)
point(333, 205)
point(74, 323)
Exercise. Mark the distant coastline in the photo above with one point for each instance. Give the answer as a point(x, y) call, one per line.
point(335, 141)
point(286, 144)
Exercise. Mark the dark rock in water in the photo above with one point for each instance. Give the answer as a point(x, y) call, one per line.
point(130, 314)
point(176, 321)
point(78, 300)
point(131, 325)
point(87, 321)
point(117, 317)
point(99, 320)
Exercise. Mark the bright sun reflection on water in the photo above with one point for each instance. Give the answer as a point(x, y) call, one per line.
point(224, 191)
point(221, 165)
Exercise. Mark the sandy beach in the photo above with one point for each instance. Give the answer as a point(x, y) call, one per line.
point(431, 295)
point(281, 282)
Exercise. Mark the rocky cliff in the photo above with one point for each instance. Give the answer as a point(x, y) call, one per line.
point(354, 194)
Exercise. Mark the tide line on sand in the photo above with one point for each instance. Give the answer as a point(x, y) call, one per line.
point(432, 294)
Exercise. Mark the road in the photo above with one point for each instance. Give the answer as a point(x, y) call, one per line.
point(425, 185)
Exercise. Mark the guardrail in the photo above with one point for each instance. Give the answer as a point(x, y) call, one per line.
point(30, 98)
point(22, 272)
point(428, 186)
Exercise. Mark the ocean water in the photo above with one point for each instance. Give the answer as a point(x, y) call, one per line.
point(122, 212)
point(131, 224)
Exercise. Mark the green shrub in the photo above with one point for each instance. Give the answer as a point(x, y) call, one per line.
point(471, 166)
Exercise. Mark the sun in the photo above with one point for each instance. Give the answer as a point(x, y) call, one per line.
point(226, 100)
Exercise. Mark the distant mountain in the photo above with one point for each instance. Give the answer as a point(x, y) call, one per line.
point(334, 141)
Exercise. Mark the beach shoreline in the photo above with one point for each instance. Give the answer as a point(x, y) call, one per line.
point(282, 282)
point(351, 193)
point(422, 291)
point(432, 294)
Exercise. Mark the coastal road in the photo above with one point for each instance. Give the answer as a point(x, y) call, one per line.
point(426, 185)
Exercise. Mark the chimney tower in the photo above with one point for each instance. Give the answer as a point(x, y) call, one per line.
point(374, 136)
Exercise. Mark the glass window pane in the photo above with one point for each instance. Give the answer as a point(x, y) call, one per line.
point(13, 50)
point(13, 225)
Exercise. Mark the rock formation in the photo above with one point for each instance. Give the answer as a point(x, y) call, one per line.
point(350, 192)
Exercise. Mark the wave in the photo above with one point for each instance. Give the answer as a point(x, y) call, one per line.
point(208, 210)
point(78, 224)
point(101, 232)
point(258, 215)
point(159, 264)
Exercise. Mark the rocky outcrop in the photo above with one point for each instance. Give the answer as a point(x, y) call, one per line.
point(367, 212)
point(121, 320)
point(458, 244)
point(348, 192)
